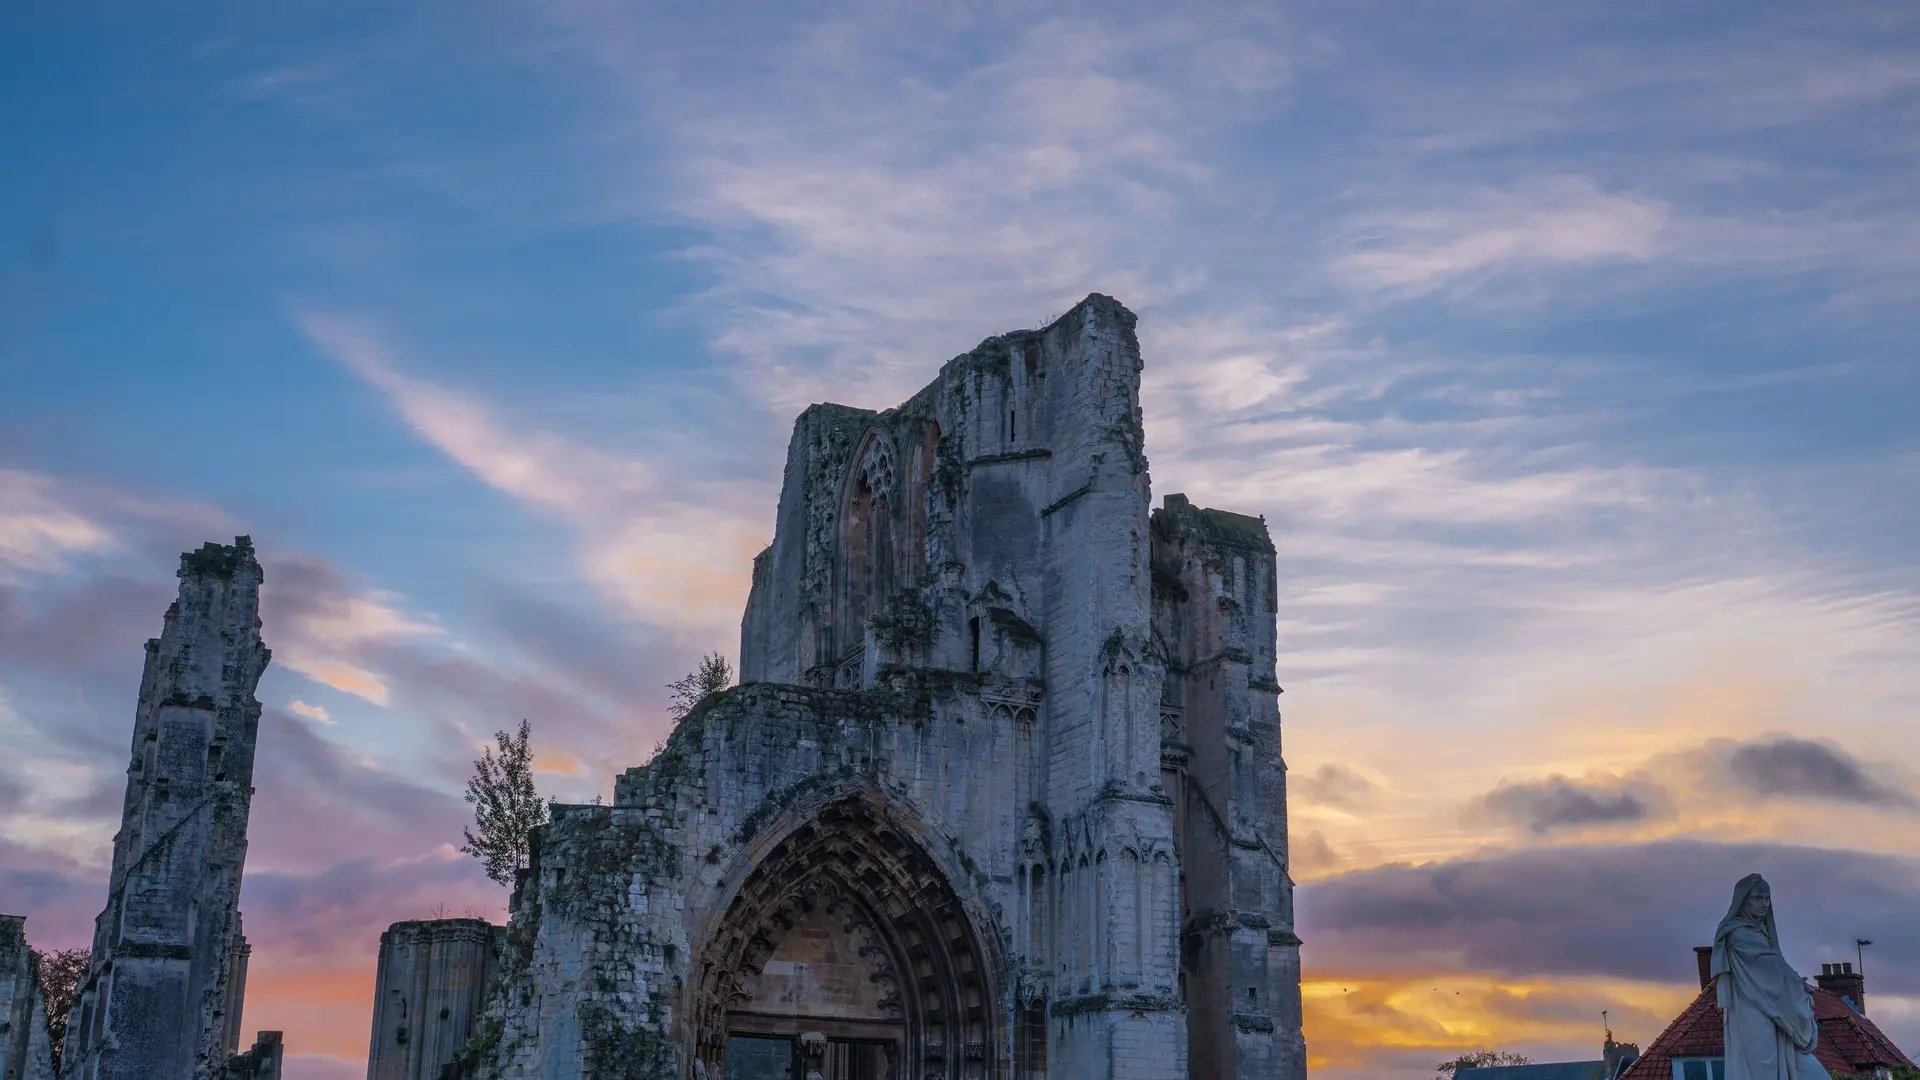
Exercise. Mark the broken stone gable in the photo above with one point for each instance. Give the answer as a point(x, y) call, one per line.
point(1000, 793)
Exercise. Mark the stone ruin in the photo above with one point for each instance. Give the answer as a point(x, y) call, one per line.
point(1000, 794)
point(25, 1053)
point(999, 797)
point(428, 991)
point(162, 995)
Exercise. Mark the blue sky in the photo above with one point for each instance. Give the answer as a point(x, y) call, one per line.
point(1568, 350)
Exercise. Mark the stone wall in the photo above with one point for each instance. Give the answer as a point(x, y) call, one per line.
point(428, 992)
point(158, 999)
point(25, 1052)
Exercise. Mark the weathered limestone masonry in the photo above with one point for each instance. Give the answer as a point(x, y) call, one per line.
point(1000, 795)
point(159, 999)
point(25, 1051)
point(261, 1062)
point(1214, 601)
point(428, 992)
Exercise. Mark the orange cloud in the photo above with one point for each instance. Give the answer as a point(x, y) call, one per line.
point(558, 761)
point(1361, 1023)
point(342, 677)
point(311, 712)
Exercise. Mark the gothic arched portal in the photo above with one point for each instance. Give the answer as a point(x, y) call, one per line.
point(847, 930)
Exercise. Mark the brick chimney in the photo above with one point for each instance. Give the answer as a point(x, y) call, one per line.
point(1703, 957)
point(1842, 980)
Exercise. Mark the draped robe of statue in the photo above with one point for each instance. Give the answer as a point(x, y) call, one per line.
point(1767, 1011)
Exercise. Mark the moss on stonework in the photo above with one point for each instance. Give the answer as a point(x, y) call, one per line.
point(1213, 527)
point(1017, 629)
point(480, 1049)
point(617, 1051)
point(905, 622)
point(1113, 1002)
point(949, 472)
point(218, 560)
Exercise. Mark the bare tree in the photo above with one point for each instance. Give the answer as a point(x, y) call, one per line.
point(1478, 1059)
point(712, 676)
point(506, 808)
point(60, 972)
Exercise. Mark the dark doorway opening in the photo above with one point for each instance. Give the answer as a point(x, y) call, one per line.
point(765, 1057)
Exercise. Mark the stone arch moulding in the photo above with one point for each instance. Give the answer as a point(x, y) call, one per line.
point(859, 861)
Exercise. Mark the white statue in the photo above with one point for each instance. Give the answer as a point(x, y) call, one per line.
point(1766, 1006)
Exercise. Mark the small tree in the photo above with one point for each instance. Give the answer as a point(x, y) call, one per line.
point(506, 808)
point(712, 676)
point(60, 972)
point(1476, 1060)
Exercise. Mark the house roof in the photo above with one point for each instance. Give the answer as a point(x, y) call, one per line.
point(1558, 1070)
point(1850, 1044)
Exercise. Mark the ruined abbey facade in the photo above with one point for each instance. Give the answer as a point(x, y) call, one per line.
point(999, 797)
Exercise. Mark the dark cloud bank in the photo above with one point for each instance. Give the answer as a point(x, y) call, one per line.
point(1630, 911)
point(1773, 767)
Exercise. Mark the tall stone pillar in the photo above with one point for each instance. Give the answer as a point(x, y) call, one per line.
point(157, 1001)
point(428, 992)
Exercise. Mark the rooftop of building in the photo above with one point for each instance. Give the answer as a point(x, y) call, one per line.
point(1849, 1043)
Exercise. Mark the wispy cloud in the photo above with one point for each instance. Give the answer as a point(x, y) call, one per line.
point(312, 712)
point(38, 532)
point(1545, 223)
point(673, 549)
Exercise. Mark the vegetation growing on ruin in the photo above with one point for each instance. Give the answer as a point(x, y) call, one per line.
point(506, 807)
point(616, 1051)
point(685, 694)
point(59, 972)
point(906, 622)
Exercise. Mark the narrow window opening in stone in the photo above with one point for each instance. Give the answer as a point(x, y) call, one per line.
point(1013, 432)
point(1103, 938)
point(216, 765)
point(973, 631)
point(1038, 930)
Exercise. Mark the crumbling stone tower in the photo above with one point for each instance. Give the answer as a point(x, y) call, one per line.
point(1000, 794)
point(428, 989)
point(159, 999)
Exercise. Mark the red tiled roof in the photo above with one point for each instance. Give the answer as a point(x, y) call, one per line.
point(1850, 1044)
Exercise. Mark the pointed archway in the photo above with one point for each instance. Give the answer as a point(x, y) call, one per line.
point(848, 949)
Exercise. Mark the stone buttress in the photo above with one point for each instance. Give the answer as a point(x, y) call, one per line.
point(158, 1000)
point(930, 835)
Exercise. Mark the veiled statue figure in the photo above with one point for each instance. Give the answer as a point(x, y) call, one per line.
point(1766, 1006)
